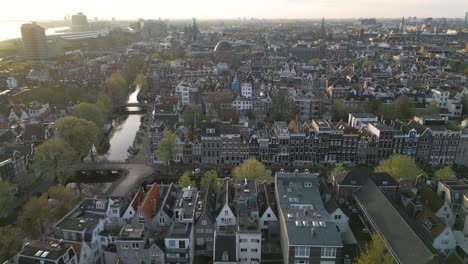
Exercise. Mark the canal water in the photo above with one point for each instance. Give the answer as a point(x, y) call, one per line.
point(125, 128)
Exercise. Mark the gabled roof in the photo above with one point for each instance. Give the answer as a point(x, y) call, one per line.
point(137, 198)
point(360, 178)
point(150, 202)
point(209, 203)
point(430, 198)
point(438, 225)
point(266, 197)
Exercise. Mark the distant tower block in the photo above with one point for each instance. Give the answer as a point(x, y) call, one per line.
point(34, 42)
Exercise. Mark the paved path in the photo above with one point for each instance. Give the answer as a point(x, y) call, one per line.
point(135, 174)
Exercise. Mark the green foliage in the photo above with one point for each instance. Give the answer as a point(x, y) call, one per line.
point(445, 173)
point(366, 63)
point(6, 198)
point(338, 169)
point(252, 169)
point(281, 110)
point(192, 115)
point(458, 66)
point(133, 67)
point(79, 133)
point(313, 61)
point(432, 109)
point(185, 181)
point(375, 252)
point(90, 112)
point(55, 158)
point(155, 56)
point(62, 200)
point(35, 216)
point(104, 102)
point(166, 148)
point(10, 241)
point(250, 114)
point(141, 81)
point(210, 176)
point(404, 108)
point(117, 88)
point(400, 166)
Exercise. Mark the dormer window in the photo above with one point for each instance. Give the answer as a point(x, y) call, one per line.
point(210, 130)
point(429, 223)
point(225, 256)
point(307, 184)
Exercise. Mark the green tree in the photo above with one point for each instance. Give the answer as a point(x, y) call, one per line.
point(366, 63)
point(133, 67)
point(104, 102)
point(34, 217)
point(338, 169)
point(375, 252)
point(155, 56)
point(55, 159)
point(62, 200)
point(400, 166)
point(166, 148)
point(252, 169)
point(403, 107)
point(10, 241)
point(142, 82)
point(313, 61)
point(432, 109)
point(185, 181)
point(210, 176)
point(117, 88)
point(90, 112)
point(192, 115)
point(250, 114)
point(6, 197)
point(445, 173)
point(79, 133)
point(281, 109)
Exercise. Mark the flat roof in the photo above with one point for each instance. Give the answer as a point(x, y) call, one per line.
point(401, 238)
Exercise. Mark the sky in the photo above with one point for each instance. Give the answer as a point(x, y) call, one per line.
point(203, 9)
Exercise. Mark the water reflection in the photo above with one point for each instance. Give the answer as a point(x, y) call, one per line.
point(123, 133)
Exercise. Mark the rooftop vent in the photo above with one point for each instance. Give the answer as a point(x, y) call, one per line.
point(38, 253)
point(45, 254)
point(298, 223)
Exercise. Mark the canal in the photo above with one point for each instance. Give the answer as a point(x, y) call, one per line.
point(125, 128)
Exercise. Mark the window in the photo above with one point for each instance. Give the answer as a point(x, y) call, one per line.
point(253, 250)
point(242, 240)
point(327, 262)
point(124, 245)
point(172, 243)
point(301, 262)
point(302, 252)
point(268, 215)
point(200, 231)
point(204, 222)
point(243, 250)
point(328, 252)
point(255, 240)
point(337, 217)
point(225, 256)
point(135, 245)
point(226, 212)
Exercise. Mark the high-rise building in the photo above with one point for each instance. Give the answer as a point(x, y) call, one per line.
point(79, 22)
point(466, 20)
point(34, 42)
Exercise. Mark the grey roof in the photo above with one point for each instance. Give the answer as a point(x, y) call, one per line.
point(215, 126)
point(208, 204)
point(360, 178)
point(401, 238)
point(79, 220)
point(28, 253)
point(363, 115)
point(312, 226)
point(225, 243)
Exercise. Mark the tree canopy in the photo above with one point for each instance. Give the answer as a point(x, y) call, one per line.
point(375, 252)
point(166, 148)
point(445, 173)
point(252, 169)
point(10, 241)
point(55, 158)
point(6, 197)
point(61, 199)
point(35, 216)
point(210, 176)
point(117, 88)
point(192, 115)
point(90, 112)
point(432, 109)
point(79, 133)
point(338, 169)
point(185, 181)
point(400, 166)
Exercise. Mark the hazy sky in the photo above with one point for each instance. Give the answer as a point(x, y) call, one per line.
point(124, 9)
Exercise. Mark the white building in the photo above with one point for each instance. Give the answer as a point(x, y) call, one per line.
point(246, 90)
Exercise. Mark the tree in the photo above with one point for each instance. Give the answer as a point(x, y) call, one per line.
point(400, 166)
point(79, 133)
point(375, 252)
point(34, 217)
point(403, 107)
point(313, 61)
point(250, 114)
point(6, 197)
point(366, 63)
point(192, 115)
point(117, 88)
point(166, 148)
point(10, 241)
point(55, 158)
point(90, 112)
point(445, 173)
point(432, 109)
point(62, 200)
point(280, 110)
point(339, 169)
point(210, 176)
point(252, 169)
point(155, 56)
point(140, 80)
point(133, 67)
point(104, 102)
point(185, 181)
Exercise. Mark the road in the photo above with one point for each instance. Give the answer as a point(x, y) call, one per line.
point(135, 174)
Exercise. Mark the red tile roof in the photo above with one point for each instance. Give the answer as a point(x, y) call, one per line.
point(151, 200)
point(137, 199)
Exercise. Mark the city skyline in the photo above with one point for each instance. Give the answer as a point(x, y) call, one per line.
point(210, 9)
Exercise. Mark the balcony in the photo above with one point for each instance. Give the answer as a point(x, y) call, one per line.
point(177, 250)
